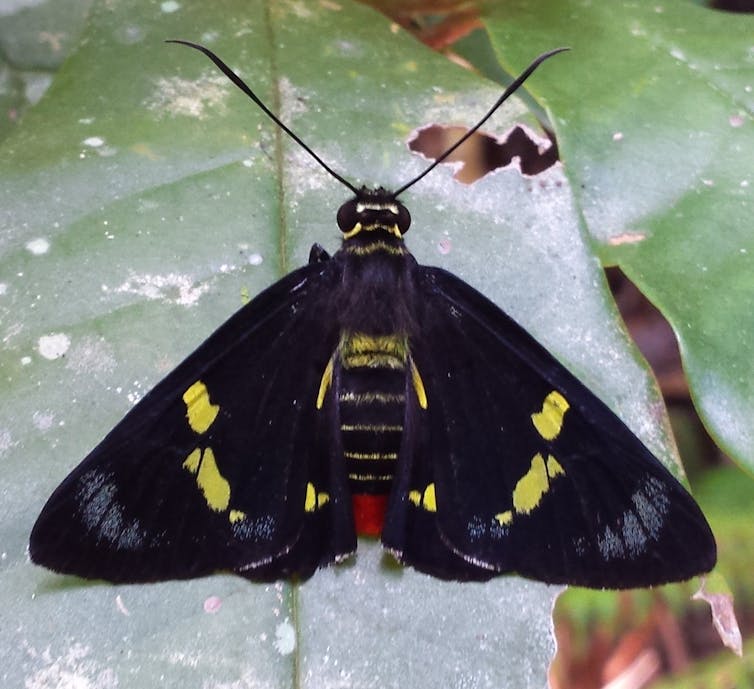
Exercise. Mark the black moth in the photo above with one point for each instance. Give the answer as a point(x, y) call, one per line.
point(365, 374)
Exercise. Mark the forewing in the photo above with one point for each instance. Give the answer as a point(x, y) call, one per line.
point(532, 473)
point(223, 465)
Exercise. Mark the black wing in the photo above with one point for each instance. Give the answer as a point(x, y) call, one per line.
point(515, 466)
point(226, 464)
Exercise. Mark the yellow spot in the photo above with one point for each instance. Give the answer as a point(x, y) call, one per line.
point(358, 227)
point(325, 383)
point(531, 486)
point(236, 516)
point(352, 233)
point(314, 500)
point(192, 461)
point(549, 421)
point(553, 467)
point(200, 412)
point(428, 500)
point(416, 379)
point(310, 501)
point(374, 247)
point(215, 488)
point(415, 496)
point(504, 518)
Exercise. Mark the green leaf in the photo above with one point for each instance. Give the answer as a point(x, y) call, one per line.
point(141, 199)
point(652, 110)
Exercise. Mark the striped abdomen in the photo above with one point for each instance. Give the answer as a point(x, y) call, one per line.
point(372, 402)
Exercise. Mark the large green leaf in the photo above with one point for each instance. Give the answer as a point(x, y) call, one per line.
point(140, 199)
point(653, 116)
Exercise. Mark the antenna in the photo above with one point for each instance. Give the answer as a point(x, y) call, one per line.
point(241, 84)
point(508, 92)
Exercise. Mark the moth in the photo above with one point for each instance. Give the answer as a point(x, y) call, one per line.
point(365, 393)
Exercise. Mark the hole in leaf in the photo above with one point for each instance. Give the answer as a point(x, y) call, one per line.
point(483, 153)
point(656, 340)
point(742, 6)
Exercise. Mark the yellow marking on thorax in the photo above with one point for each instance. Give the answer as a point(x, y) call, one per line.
point(325, 383)
point(424, 499)
point(418, 384)
point(374, 247)
point(358, 227)
point(213, 485)
point(200, 413)
point(549, 421)
point(313, 499)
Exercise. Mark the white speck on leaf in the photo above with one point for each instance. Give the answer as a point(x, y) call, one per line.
point(43, 420)
point(71, 670)
point(285, 638)
point(53, 346)
point(173, 288)
point(189, 98)
point(38, 246)
point(91, 355)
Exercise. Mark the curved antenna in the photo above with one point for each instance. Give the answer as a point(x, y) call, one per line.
point(228, 72)
point(509, 91)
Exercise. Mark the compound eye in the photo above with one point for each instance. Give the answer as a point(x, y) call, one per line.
point(404, 218)
point(347, 216)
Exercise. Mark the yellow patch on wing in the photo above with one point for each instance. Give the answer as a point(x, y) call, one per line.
point(200, 412)
point(192, 461)
point(532, 487)
point(211, 482)
point(425, 499)
point(313, 499)
point(549, 421)
point(504, 518)
point(553, 467)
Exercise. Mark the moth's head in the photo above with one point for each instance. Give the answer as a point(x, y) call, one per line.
point(373, 210)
